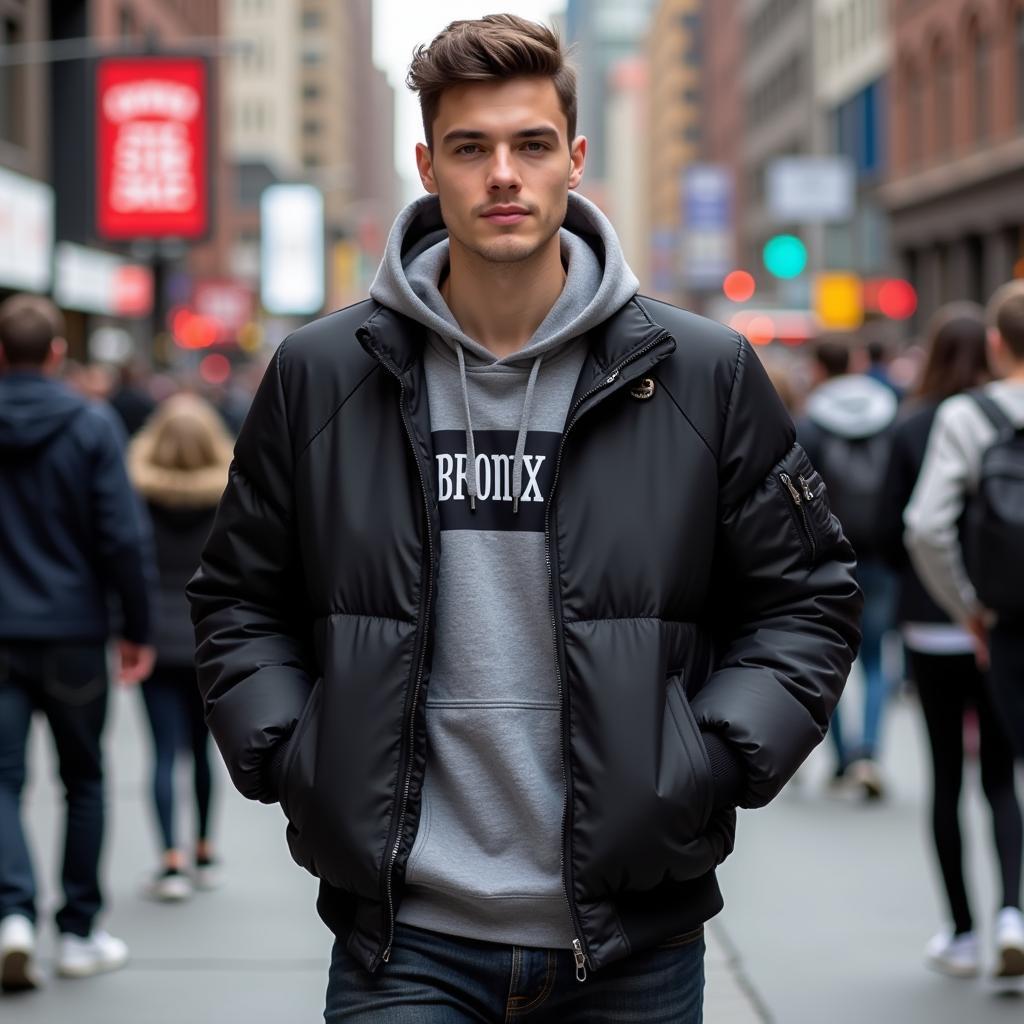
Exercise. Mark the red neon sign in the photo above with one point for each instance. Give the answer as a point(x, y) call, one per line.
point(151, 148)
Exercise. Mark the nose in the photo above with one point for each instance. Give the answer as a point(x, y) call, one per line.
point(502, 175)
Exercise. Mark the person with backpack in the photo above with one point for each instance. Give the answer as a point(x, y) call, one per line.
point(941, 661)
point(846, 431)
point(965, 520)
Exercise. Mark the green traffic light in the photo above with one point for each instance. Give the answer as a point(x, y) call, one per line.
point(785, 256)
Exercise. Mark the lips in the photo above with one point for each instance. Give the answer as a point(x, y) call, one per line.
point(506, 214)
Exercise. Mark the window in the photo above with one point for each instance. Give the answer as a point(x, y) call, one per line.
point(311, 91)
point(982, 93)
point(312, 19)
point(310, 128)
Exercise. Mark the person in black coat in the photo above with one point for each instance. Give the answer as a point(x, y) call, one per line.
point(179, 463)
point(940, 653)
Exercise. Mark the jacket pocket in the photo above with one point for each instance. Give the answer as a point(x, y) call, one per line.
point(804, 493)
point(681, 715)
point(299, 766)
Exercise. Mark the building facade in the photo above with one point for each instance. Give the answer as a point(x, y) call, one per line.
point(956, 139)
point(674, 136)
point(852, 80)
point(780, 116)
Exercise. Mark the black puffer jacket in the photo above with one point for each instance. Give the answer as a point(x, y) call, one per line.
point(699, 581)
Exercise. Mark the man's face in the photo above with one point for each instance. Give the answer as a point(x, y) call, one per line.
point(502, 166)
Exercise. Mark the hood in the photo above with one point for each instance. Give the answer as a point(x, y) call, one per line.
point(180, 459)
point(853, 406)
point(598, 283)
point(598, 280)
point(33, 409)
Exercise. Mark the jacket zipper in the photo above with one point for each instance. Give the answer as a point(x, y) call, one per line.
point(578, 950)
point(385, 955)
point(808, 494)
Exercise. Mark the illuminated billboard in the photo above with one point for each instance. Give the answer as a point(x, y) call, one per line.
point(152, 148)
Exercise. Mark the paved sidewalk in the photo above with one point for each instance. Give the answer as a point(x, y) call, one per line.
point(253, 952)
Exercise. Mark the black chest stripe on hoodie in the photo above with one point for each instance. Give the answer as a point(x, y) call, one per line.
point(495, 453)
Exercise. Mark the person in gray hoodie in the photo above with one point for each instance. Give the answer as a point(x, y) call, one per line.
point(846, 432)
point(949, 475)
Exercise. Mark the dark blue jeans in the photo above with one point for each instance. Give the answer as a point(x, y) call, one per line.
point(68, 683)
point(439, 979)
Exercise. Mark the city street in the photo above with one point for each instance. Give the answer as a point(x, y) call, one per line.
point(829, 904)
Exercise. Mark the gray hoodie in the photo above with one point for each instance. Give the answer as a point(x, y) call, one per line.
point(486, 863)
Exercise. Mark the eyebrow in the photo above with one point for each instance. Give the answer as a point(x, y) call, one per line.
point(466, 135)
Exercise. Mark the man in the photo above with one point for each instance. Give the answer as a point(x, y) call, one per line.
point(71, 532)
point(518, 588)
point(962, 433)
point(846, 432)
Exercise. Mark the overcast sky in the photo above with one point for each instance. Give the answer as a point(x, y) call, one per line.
point(399, 26)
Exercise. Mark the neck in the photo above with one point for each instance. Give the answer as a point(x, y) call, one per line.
point(501, 305)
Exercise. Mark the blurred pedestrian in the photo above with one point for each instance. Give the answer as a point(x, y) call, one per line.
point(847, 433)
point(130, 399)
point(72, 530)
point(940, 655)
point(966, 428)
point(179, 464)
point(510, 681)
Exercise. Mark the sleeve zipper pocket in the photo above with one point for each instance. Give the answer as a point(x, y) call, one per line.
point(798, 500)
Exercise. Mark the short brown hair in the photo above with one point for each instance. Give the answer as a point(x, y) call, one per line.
point(494, 48)
point(1010, 323)
point(833, 356)
point(28, 325)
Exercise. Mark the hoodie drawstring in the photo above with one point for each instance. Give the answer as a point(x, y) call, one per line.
point(473, 477)
point(524, 420)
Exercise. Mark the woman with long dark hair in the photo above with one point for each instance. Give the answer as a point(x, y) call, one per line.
point(179, 463)
point(940, 656)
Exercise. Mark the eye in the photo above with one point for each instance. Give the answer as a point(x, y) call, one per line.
point(535, 147)
point(469, 149)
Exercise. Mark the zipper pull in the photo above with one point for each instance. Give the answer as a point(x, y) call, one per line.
point(793, 492)
point(581, 960)
point(610, 379)
point(386, 955)
point(808, 493)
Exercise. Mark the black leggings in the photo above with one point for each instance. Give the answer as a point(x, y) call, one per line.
point(947, 685)
point(175, 712)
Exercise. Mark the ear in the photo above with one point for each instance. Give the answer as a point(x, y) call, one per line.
point(425, 165)
point(58, 350)
point(577, 159)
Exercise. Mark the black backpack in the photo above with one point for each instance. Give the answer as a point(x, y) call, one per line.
point(993, 526)
point(854, 471)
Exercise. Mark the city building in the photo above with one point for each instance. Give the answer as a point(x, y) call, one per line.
point(853, 58)
point(956, 138)
point(673, 137)
point(600, 34)
point(306, 104)
point(780, 118)
point(627, 130)
point(721, 101)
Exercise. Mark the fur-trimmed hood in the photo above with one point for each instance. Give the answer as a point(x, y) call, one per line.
point(180, 458)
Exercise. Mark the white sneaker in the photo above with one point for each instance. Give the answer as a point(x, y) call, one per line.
point(958, 956)
point(82, 958)
point(171, 886)
point(17, 948)
point(207, 874)
point(1010, 943)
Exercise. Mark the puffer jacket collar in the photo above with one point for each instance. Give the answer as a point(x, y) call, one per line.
point(628, 337)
